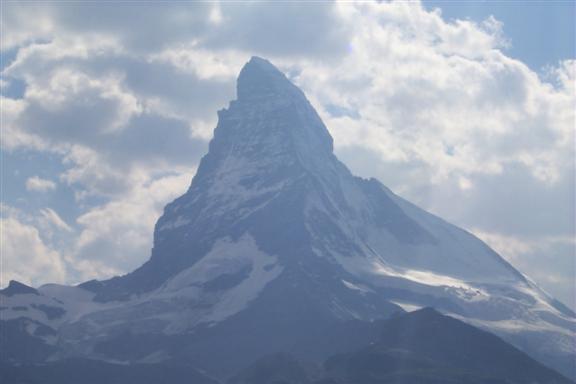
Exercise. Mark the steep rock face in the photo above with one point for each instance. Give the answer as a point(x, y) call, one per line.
point(267, 147)
point(276, 246)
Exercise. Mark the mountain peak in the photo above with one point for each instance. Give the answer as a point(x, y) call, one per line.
point(16, 288)
point(271, 122)
point(260, 78)
point(259, 63)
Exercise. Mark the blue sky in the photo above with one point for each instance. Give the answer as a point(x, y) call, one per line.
point(107, 109)
point(541, 33)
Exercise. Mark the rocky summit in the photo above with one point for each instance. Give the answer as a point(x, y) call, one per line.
point(277, 248)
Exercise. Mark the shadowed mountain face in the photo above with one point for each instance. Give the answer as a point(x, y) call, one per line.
point(15, 288)
point(77, 371)
point(276, 246)
point(279, 368)
point(421, 347)
point(427, 347)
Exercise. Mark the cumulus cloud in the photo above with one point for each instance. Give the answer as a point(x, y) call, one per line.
point(39, 184)
point(454, 112)
point(280, 29)
point(112, 119)
point(147, 28)
point(25, 256)
point(436, 110)
point(12, 136)
point(23, 24)
point(267, 27)
point(117, 236)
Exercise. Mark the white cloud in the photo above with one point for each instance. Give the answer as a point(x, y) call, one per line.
point(59, 104)
point(39, 184)
point(46, 221)
point(116, 237)
point(201, 62)
point(25, 257)
point(454, 112)
point(51, 219)
point(153, 26)
point(12, 136)
point(507, 246)
point(549, 260)
point(110, 127)
point(23, 23)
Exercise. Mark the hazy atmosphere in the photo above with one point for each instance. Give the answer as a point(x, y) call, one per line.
point(464, 108)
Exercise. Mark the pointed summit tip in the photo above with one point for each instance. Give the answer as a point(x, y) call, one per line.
point(261, 63)
point(17, 288)
point(260, 78)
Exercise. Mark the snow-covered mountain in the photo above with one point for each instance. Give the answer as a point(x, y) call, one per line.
point(276, 246)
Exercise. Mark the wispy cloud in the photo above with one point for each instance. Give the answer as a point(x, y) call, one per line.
point(38, 184)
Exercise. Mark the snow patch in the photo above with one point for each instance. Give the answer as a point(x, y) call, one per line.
point(422, 277)
point(179, 221)
point(227, 257)
point(27, 306)
point(355, 287)
point(407, 306)
point(265, 268)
